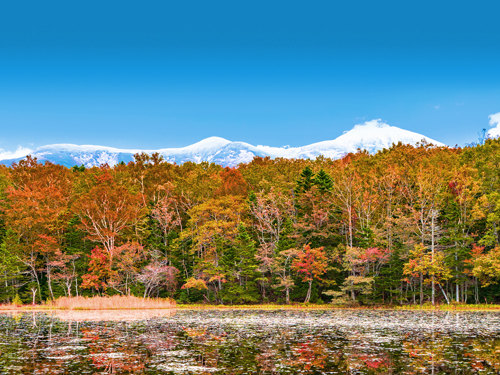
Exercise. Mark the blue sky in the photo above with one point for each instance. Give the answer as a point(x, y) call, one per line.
point(167, 74)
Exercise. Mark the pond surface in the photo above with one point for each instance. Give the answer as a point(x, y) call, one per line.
point(249, 342)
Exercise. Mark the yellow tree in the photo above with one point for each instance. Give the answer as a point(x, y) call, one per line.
point(461, 216)
point(367, 196)
point(486, 266)
point(424, 188)
point(485, 159)
point(151, 175)
point(213, 225)
point(346, 182)
point(196, 183)
point(431, 267)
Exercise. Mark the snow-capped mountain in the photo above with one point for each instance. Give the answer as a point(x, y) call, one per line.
point(371, 136)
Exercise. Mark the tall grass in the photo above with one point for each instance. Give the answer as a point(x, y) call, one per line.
point(111, 303)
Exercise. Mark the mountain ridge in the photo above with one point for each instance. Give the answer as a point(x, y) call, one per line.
point(372, 136)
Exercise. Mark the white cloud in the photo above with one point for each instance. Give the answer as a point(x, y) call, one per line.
point(494, 119)
point(19, 153)
point(495, 122)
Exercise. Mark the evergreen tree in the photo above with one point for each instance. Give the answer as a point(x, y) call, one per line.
point(306, 181)
point(240, 268)
point(323, 181)
point(77, 168)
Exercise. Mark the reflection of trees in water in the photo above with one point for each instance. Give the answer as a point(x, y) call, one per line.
point(428, 354)
point(112, 315)
point(196, 344)
point(372, 363)
point(484, 354)
point(310, 354)
point(110, 351)
point(441, 353)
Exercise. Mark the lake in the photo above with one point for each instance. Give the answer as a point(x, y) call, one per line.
point(249, 342)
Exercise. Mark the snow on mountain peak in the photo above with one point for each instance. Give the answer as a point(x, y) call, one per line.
point(210, 142)
point(375, 135)
point(372, 135)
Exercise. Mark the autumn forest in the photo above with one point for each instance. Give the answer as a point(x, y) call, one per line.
point(408, 225)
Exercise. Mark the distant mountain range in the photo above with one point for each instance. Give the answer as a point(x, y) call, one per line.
point(371, 136)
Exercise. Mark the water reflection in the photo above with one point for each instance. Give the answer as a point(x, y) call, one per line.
point(111, 315)
point(249, 342)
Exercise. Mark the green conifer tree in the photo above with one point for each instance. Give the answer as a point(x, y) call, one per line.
point(323, 181)
point(240, 267)
point(306, 181)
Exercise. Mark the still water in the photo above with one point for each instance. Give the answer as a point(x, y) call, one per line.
point(249, 342)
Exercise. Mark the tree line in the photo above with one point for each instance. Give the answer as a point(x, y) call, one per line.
point(407, 225)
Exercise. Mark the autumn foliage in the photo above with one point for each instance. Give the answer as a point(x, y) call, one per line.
point(408, 225)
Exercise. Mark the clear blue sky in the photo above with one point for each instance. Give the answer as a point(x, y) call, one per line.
point(169, 73)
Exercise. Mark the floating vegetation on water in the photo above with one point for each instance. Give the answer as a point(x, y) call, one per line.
point(251, 342)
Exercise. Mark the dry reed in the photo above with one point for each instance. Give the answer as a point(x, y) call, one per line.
point(112, 303)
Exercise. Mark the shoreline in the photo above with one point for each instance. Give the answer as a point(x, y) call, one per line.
point(267, 307)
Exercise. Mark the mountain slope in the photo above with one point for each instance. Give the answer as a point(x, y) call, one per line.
point(372, 136)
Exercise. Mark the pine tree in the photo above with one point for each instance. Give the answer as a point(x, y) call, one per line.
point(306, 181)
point(240, 267)
point(323, 181)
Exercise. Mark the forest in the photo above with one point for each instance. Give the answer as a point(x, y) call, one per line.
point(407, 225)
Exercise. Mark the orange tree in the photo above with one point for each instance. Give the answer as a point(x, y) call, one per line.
point(35, 213)
point(106, 208)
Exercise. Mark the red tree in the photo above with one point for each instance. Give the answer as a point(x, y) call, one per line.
point(311, 264)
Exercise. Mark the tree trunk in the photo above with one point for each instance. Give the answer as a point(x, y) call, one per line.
point(76, 279)
point(413, 291)
point(432, 259)
point(50, 285)
point(350, 226)
point(457, 288)
point(33, 292)
point(444, 294)
point(308, 295)
point(39, 287)
point(476, 291)
point(421, 288)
